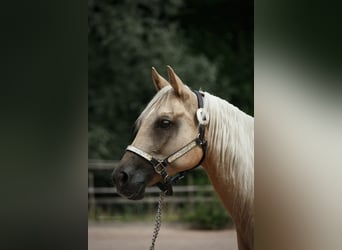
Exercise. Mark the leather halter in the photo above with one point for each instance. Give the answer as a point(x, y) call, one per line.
point(160, 165)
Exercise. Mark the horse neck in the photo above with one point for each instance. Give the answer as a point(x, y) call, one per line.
point(230, 158)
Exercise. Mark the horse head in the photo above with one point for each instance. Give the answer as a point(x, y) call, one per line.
point(167, 125)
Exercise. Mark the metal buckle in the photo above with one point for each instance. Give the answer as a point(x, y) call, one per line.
point(159, 168)
point(202, 116)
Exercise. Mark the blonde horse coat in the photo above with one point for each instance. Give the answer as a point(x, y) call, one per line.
point(229, 162)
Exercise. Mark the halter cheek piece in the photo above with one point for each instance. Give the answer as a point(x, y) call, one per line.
point(160, 165)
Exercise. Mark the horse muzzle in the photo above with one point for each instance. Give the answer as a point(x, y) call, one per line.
point(131, 177)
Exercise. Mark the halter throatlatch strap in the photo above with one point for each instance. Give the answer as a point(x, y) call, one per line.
point(160, 165)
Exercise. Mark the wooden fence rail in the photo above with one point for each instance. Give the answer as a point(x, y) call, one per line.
point(108, 195)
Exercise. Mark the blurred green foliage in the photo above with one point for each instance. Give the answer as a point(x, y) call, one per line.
point(207, 47)
point(207, 215)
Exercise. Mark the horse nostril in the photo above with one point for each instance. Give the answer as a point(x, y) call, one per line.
point(123, 177)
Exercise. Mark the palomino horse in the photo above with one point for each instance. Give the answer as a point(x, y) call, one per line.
point(181, 128)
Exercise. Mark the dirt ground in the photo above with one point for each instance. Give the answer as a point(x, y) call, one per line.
point(134, 236)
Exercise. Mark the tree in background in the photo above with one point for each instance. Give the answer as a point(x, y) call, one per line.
point(224, 30)
point(126, 38)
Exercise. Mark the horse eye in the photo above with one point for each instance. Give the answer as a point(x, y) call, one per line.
point(164, 123)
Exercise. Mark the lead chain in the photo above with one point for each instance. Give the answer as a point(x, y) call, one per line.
point(157, 222)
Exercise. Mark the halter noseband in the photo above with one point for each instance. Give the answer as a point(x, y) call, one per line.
point(160, 165)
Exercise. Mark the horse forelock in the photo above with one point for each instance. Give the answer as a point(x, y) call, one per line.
point(160, 97)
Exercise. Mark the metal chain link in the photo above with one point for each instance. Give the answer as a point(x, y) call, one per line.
point(157, 222)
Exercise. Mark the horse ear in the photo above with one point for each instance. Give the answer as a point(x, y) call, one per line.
point(175, 81)
point(158, 81)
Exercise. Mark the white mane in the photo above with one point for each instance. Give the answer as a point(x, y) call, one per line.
point(231, 140)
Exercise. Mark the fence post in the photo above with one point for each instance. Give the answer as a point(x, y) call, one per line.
point(92, 200)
